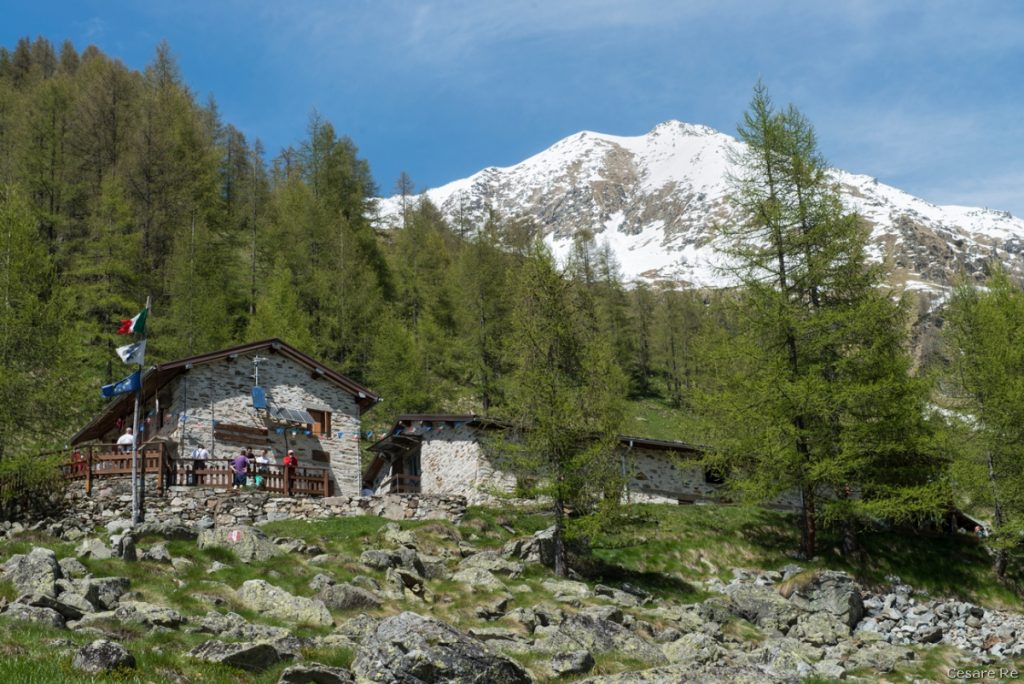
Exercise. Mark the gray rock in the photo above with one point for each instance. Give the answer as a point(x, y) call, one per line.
point(148, 614)
point(358, 629)
point(830, 592)
point(248, 543)
point(124, 547)
point(276, 602)
point(315, 673)
point(158, 553)
point(93, 548)
point(493, 562)
point(693, 648)
point(819, 629)
point(585, 633)
point(347, 597)
point(246, 656)
point(762, 606)
point(378, 559)
point(320, 581)
point(68, 611)
point(479, 579)
point(42, 616)
point(571, 662)
point(105, 592)
point(36, 572)
point(103, 656)
point(411, 648)
point(72, 567)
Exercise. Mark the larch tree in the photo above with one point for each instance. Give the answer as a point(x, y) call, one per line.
point(984, 328)
point(564, 398)
point(815, 393)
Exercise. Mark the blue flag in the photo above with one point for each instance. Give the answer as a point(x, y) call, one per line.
point(129, 384)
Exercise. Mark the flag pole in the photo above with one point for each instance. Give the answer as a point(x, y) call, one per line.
point(138, 483)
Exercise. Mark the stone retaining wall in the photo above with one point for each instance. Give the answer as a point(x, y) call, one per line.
point(247, 507)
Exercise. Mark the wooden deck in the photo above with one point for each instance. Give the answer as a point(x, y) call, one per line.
point(96, 462)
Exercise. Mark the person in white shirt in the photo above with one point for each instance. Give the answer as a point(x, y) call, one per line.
point(126, 441)
point(199, 457)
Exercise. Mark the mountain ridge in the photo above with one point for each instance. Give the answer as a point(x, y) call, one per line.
point(656, 197)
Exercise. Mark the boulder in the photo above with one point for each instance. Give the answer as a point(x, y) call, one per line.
point(834, 593)
point(72, 567)
point(43, 616)
point(36, 572)
point(479, 579)
point(412, 648)
point(693, 648)
point(68, 611)
point(93, 548)
point(378, 559)
point(105, 592)
point(158, 553)
point(587, 633)
point(571, 663)
point(245, 656)
point(276, 602)
point(762, 606)
point(493, 562)
point(248, 543)
point(148, 614)
point(103, 656)
point(320, 581)
point(315, 673)
point(347, 597)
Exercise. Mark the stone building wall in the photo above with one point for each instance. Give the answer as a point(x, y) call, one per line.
point(222, 391)
point(658, 476)
point(453, 462)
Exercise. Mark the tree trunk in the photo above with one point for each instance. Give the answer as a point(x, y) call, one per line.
point(561, 563)
point(997, 517)
point(808, 543)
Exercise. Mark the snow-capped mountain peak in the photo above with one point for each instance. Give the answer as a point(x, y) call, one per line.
point(655, 198)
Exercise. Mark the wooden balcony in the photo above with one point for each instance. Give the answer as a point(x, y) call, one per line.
point(102, 461)
point(217, 473)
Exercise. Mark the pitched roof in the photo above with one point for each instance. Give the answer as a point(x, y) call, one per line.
point(407, 433)
point(159, 375)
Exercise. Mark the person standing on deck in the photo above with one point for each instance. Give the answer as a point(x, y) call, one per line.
point(239, 468)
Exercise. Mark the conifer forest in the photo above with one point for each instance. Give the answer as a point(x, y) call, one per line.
point(117, 185)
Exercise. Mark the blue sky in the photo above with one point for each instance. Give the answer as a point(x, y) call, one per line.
point(925, 96)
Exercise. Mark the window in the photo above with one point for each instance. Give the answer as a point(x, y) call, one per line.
point(320, 456)
point(321, 422)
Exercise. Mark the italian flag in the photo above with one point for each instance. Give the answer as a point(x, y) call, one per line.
point(137, 324)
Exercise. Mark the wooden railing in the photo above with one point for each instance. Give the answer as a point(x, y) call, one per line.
point(99, 461)
point(92, 462)
point(218, 474)
point(400, 483)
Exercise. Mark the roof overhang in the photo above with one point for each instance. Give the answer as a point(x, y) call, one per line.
point(154, 378)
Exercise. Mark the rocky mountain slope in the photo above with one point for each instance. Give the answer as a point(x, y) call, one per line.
point(655, 199)
point(345, 599)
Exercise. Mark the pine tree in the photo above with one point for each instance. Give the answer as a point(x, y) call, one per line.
point(279, 311)
point(816, 394)
point(39, 376)
point(564, 395)
point(984, 329)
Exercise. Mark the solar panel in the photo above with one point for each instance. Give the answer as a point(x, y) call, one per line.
point(293, 415)
point(259, 398)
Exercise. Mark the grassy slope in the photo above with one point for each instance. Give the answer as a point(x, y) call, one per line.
point(666, 549)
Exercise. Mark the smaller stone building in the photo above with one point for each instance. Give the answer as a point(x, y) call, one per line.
point(209, 399)
point(446, 455)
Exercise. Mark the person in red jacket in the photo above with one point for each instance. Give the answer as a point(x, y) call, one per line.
point(290, 463)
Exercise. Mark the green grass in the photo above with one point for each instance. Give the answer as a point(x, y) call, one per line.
point(655, 418)
point(667, 550)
